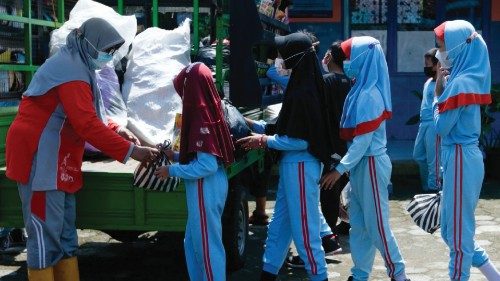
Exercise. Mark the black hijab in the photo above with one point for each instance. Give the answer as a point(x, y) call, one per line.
point(304, 111)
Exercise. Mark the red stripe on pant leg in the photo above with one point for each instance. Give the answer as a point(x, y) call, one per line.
point(204, 232)
point(370, 169)
point(455, 214)
point(301, 195)
point(373, 178)
point(305, 229)
point(384, 239)
point(38, 204)
point(437, 160)
point(460, 216)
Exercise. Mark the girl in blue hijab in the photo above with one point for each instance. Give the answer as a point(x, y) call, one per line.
point(366, 108)
point(463, 84)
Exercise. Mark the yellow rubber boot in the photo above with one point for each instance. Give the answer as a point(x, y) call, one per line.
point(67, 270)
point(44, 274)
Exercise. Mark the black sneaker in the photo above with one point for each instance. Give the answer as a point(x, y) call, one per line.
point(295, 262)
point(331, 245)
point(343, 228)
point(392, 279)
point(350, 278)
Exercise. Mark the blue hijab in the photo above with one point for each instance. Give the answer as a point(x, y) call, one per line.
point(470, 78)
point(368, 103)
point(73, 61)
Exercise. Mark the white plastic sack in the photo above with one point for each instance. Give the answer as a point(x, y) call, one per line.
point(107, 81)
point(271, 113)
point(86, 9)
point(157, 56)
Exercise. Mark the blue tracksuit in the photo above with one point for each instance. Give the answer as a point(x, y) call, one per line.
point(370, 173)
point(206, 191)
point(296, 213)
point(463, 172)
point(325, 230)
point(427, 144)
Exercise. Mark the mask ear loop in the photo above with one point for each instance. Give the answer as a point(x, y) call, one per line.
point(300, 53)
point(472, 37)
point(370, 46)
point(303, 54)
point(467, 41)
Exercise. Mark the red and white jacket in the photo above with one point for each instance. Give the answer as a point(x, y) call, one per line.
point(45, 143)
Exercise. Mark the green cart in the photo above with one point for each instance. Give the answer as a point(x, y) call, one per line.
point(108, 201)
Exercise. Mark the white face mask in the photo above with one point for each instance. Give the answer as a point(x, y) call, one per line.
point(443, 59)
point(325, 66)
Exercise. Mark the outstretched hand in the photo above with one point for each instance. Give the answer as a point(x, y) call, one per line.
point(253, 142)
point(144, 154)
point(329, 180)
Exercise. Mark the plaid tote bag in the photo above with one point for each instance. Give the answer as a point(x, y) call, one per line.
point(425, 211)
point(144, 175)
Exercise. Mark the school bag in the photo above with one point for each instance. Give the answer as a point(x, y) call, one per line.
point(425, 211)
point(144, 175)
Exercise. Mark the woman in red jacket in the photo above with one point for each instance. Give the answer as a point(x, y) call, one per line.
point(61, 109)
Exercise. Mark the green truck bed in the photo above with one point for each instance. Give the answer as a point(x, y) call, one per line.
point(108, 201)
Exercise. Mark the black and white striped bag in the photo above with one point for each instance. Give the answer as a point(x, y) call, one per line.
point(144, 175)
point(425, 211)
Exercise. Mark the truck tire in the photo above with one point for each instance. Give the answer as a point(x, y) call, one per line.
point(235, 227)
point(124, 236)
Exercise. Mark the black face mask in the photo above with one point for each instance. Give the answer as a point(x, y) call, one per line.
point(429, 72)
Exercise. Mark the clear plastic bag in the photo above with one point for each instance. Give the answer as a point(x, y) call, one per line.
point(107, 81)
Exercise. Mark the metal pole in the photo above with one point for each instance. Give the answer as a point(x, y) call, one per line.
point(28, 44)
point(196, 25)
point(155, 13)
point(220, 38)
point(120, 7)
point(60, 11)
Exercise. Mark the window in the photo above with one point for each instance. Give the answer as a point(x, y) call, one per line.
point(369, 18)
point(469, 10)
point(312, 9)
point(415, 36)
point(408, 25)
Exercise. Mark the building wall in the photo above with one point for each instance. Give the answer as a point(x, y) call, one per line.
point(494, 48)
point(405, 104)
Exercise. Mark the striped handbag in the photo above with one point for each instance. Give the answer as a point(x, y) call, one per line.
point(144, 175)
point(425, 211)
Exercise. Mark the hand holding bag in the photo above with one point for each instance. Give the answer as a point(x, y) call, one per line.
point(144, 175)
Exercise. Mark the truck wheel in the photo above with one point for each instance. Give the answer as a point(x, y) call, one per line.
point(235, 227)
point(124, 236)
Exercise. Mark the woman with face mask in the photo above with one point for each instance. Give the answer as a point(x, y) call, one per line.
point(61, 109)
point(362, 125)
point(465, 63)
point(303, 139)
point(427, 143)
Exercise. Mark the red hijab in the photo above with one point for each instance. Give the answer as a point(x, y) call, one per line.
point(204, 128)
